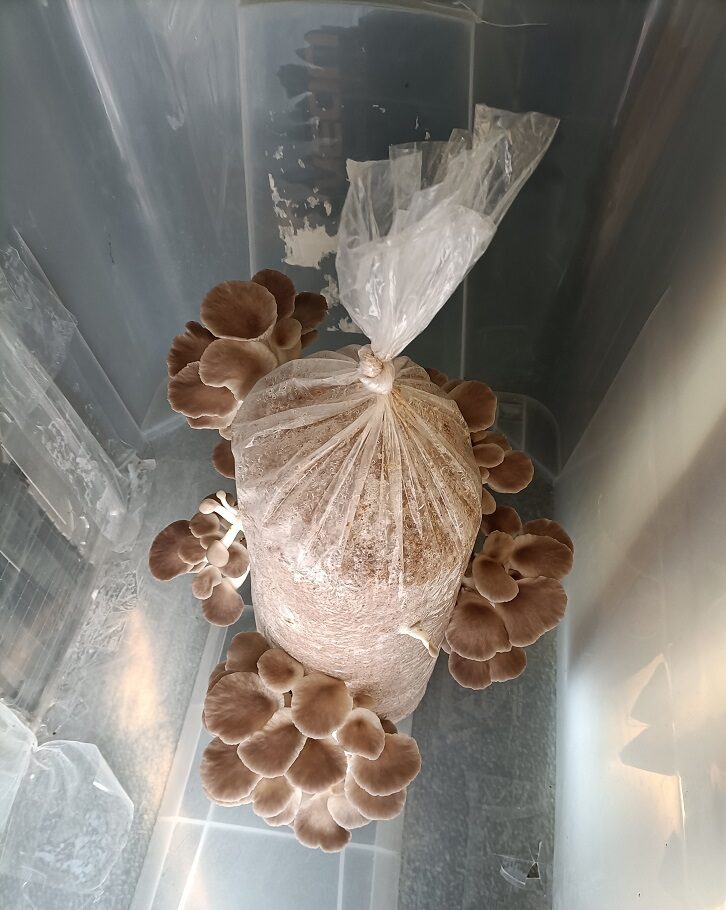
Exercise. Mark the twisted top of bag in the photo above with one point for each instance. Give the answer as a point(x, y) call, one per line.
point(375, 374)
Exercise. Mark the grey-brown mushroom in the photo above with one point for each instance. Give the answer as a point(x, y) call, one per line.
point(395, 768)
point(189, 395)
point(476, 630)
point(239, 309)
point(272, 750)
point(245, 650)
point(164, 560)
point(320, 704)
point(376, 808)
point(224, 606)
point(188, 347)
point(238, 706)
point(537, 608)
point(279, 671)
point(362, 733)
point(477, 403)
point(314, 826)
point(236, 365)
point(513, 474)
point(225, 778)
point(320, 764)
point(281, 288)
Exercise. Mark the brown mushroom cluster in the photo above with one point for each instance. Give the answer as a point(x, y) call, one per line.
point(247, 329)
point(299, 748)
point(212, 547)
point(511, 593)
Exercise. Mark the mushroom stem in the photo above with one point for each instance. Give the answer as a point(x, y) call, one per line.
point(415, 631)
point(232, 532)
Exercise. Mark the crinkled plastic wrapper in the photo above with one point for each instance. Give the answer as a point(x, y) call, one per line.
point(356, 479)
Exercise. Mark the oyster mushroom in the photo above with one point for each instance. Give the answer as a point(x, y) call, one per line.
point(310, 310)
point(239, 309)
point(534, 555)
point(271, 750)
point(279, 671)
point(320, 704)
point(548, 528)
point(376, 808)
point(238, 562)
point(437, 377)
point(188, 347)
point(395, 768)
point(271, 796)
point(235, 365)
point(314, 826)
point(362, 733)
point(492, 580)
point(224, 776)
point(164, 560)
point(476, 630)
point(477, 403)
point(537, 608)
point(320, 764)
point(503, 518)
point(513, 474)
point(223, 459)
point(281, 288)
point(238, 706)
point(344, 813)
point(470, 674)
point(189, 395)
point(308, 338)
point(498, 546)
point(507, 665)
point(288, 813)
point(245, 650)
point(224, 606)
point(488, 454)
point(205, 582)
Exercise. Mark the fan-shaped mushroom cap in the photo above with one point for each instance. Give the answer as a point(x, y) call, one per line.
point(513, 474)
point(310, 310)
point(507, 665)
point(286, 334)
point(477, 403)
point(363, 700)
point(345, 813)
point(314, 826)
point(535, 555)
point(376, 808)
point(224, 777)
point(394, 769)
point(362, 733)
point(223, 459)
point(239, 309)
point(320, 704)
point(537, 608)
point(188, 395)
point(217, 673)
point(548, 528)
point(187, 347)
point(224, 605)
point(436, 376)
point(388, 725)
point(492, 580)
point(271, 796)
point(488, 502)
point(320, 764)
point(471, 674)
point(498, 546)
point(236, 365)
point(281, 288)
point(245, 650)
point(450, 385)
point(272, 750)
point(202, 524)
point(288, 813)
point(191, 551)
point(476, 630)
point(164, 560)
point(490, 436)
point(205, 581)
point(238, 563)
point(217, 554)
point(503, 518)
point(278, 670)
point(238, 706)
point(488, 454)
point(221, 424)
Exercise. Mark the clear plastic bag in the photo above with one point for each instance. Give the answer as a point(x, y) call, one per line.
point(359, 491)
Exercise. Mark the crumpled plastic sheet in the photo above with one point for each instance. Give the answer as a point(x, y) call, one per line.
point(64, 818)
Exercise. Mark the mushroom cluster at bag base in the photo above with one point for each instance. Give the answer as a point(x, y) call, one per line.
point(299, 747)
point(511, 593)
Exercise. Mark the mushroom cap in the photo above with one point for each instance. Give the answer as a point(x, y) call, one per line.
point(344, 813)
point(362, 733)
point(238, 706)
point(203, 524)
point(239, 309)
point(217, 673)
point(450, 385)
point(488, 502)
point(488, 454)
point(314, 826)
point(535, 555)
point(236, 365)
point(376, 808)
point(188, 395)
point(307, 338)
point(310, 310)
point(477, 403)
point(513, 474)
point(288, 813)
point(245, 650)
point(271, 796)
point(238, 562)
point(394, 769)
point(164, 560)
point(507, 665)
point(286, 334)
point(221, 424)
point(320, 704)
point(205, 581)
point(278, 670)
point(476, 630)
point(436, 376)
point(187, 347)
point(363, 700)
point(549, 528)
point(217, 554)
point(320, 764)
point(388, 725)
point(470, 674)
point(190, 550)
point(223, 459)
point(224, 606)
point(498, 546)
point(271, 750)
point(490, 436)
point(281, 288)
point(537, 608)
point(492, 580)
point(224, 776)
point(503, 518)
